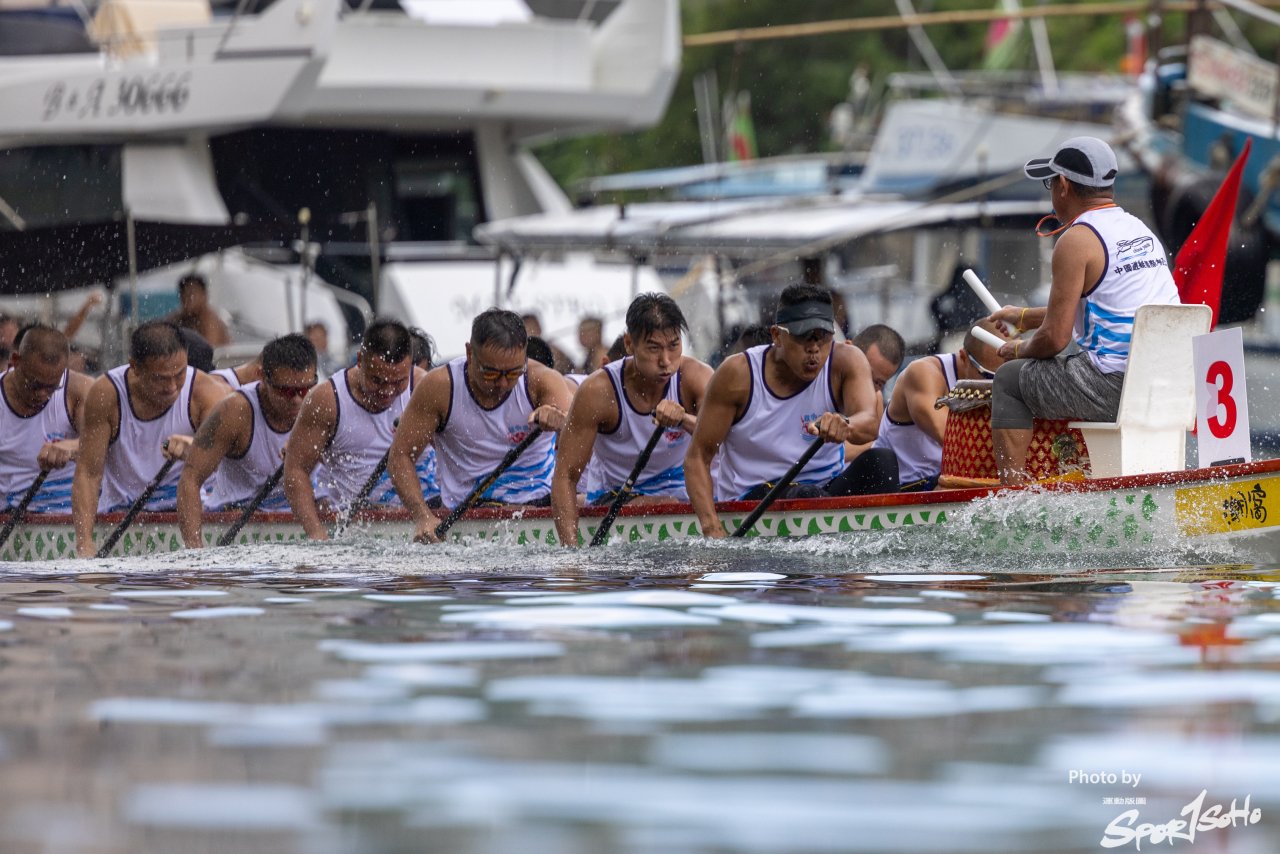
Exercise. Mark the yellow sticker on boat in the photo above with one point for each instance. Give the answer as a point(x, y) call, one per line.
point(1220, 508)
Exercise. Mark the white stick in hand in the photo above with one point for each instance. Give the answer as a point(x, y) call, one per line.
point(988, 337)
point(971, 278)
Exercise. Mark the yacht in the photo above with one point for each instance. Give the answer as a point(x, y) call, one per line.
point(315, 160)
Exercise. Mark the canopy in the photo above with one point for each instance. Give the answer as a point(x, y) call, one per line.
point(740, 228)
point(65, 257)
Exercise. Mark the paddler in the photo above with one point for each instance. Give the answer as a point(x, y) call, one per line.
point(348, 423)
point(912, 427)
point(244, 437)
point(41, 420)
point(1106, 263)
point(474, 410)
point(764, 406)
point(616, 410)
point(136, 417)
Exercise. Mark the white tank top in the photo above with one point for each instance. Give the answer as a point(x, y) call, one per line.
point(616, 453)
point(229, 374)
point(136, 455)
point(238, 480)
point(771, 436)
point(919, 454)
point(21, 438)
point(1136, 273)
point(360, 439)
point(473, 440)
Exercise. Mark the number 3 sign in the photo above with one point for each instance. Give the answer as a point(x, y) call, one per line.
point(1222, 407)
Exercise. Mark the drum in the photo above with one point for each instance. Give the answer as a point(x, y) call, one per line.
point(967, 455)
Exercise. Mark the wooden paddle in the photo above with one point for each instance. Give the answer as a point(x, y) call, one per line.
point(17, 514)
point(602, 533)
point(776, 492)
point(259, 497)
point(482, 486)
point(135, 509)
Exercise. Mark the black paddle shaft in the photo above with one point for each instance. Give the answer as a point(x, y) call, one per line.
point(482, 486)
point(17, 514)
point(602, 533)
point(776, 492)
point(135, 509)
point(259, 497)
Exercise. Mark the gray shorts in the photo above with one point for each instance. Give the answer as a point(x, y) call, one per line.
point(1064, 387)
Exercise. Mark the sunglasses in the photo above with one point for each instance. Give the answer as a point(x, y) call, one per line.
point(985, 373)
point(1048, 182)
point(293, 392)
point(492, 375)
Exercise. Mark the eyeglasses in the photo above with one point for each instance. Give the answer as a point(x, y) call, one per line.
point(293, 392)
point(492, 375)
point(1048, 182)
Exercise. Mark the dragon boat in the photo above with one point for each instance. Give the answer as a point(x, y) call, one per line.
point(1240, 501)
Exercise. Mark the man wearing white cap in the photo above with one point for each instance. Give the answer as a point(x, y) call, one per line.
point(1105, 265)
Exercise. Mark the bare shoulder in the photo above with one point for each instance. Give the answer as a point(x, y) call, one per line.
point(923, 374)
point(78, 385)
point(210, 387)
point(233, 407)
point(848, 357)
point(321, 405)
point(102, 397)
point(695, 370)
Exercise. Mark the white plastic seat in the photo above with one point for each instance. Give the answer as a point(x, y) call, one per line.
point(1158, 399)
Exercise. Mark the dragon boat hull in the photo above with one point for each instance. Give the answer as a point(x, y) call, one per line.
point(1238, 501)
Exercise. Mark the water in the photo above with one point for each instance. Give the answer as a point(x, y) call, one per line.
point(910, 691)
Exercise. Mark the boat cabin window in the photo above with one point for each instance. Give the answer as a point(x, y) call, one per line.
point(61, 184)
point(426, 187)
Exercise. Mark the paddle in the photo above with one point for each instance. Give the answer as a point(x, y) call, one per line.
point(602, 533)
point(474, 496)
point(17, 514)
point(135, 509)
point(259, 497)
point(776, 492)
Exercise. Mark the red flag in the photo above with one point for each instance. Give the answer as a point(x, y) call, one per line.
point(1198, 269)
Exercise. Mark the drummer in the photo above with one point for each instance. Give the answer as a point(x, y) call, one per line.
point(1105, 265)
point(912, 427)
point(243, 439)
point(766, 405)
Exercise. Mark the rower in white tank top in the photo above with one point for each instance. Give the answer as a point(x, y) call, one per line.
point(615, 454)
point(230, 375)
point(136, 454)
point(360, 440)
point(770, 436)
point(472, 441)
point(238, 479)
point(21, 438)
point(919, 454)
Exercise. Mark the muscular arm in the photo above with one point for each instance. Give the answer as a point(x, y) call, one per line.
point(593, 407)
point(1077, 263)
point(726, 395)
point(551, 396)
point(311, 433)
point(919, 387)
point(694, 377)
point(417, 429)
point(859, 402)
point(101, 413)
point(224, 431)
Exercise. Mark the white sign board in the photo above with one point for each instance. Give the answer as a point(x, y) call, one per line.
point(1218, 70)
point(1222, 406)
